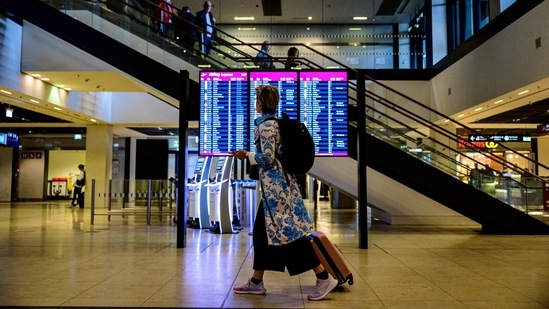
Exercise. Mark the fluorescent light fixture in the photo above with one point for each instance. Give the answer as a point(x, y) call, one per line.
point(45, 79)
point(247, 29)
point(34, 101)
point(4, 91)
point(355, 29)
point(360, 18)
point(9, 112)
point(523, 92)
point(93, 120)
point(477, 109)
point(36, 75)
point(244, 18)
point(447, 120)
point(498, 101)
point(204, 65)
point(57, 108)
point(77, 136)
point(461, 115)
point(333, 67)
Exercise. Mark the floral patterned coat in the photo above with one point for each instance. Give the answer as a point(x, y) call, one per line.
point(286, 217)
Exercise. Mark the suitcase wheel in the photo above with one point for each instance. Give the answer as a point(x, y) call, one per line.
point(350, 279)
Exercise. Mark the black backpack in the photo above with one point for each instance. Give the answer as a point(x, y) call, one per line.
point(297, 149)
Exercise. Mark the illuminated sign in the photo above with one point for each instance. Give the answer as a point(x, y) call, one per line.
point(543, 129)
point(463, 143)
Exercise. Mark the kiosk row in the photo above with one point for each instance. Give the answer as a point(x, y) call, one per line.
point(216, 202)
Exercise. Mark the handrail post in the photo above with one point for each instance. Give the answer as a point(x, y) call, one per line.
point(93, 201)
point(149, 190)
point(361, 161)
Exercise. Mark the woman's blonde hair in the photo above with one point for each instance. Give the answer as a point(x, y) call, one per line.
point(267, 97)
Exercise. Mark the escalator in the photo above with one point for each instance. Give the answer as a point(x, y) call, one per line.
point(126, 59)
point(494, 215)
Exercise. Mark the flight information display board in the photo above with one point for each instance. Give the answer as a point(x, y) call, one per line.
point(287, 84)
point(323, 109)
point(224, 112)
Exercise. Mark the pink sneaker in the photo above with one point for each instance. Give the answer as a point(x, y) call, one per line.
point(250, 288)
point(322, 288)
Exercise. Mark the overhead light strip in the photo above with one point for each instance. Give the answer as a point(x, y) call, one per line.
point(244, 18)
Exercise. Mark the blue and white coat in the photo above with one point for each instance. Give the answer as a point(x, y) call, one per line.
point(286, 217)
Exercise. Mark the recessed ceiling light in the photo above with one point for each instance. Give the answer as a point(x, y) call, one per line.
point(523, 92)
point(93, 120)
point(310, 17)
point(461, 115)
point(4, 91)
point(498, 101)
point(244, 18)
point(477, 109)
point(57, 108)
point(355, 29)
point(45, 79)
point(36, 75)
point(34, 101)
point(247, 29)
point(360, 18)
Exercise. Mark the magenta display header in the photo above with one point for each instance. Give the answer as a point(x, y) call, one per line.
point(340, 76)
point(273, 76)
point(224, 76)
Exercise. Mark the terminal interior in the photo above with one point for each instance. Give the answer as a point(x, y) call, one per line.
point(442, 200)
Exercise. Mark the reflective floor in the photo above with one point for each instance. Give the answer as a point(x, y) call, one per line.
point(50, 255)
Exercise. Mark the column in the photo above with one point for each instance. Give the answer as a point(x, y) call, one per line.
point(99, 143)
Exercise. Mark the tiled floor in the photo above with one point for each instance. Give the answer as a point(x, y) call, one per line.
point(50, 255)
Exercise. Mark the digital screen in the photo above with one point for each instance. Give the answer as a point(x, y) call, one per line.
point(224, 112)
point(9, 139)
point(319, 99)
point(219, 169)
point(199, 165)
point(323, 109)
point(286, 82)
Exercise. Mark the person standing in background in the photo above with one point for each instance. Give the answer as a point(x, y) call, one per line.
point(205, 20)
point(186, 33)
point(263, 58)
point(293, 53)
point(164, 12)
point(78, 191)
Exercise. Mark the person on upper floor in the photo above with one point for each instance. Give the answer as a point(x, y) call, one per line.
point(164, 11)
point(291, 62)
point(263, 58)
point(205, 20)
point(184, 28)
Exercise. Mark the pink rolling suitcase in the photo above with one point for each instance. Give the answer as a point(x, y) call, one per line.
point(330, 257)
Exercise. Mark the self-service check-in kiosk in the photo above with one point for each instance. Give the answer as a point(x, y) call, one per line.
point(220, 196)
point(198, 195)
